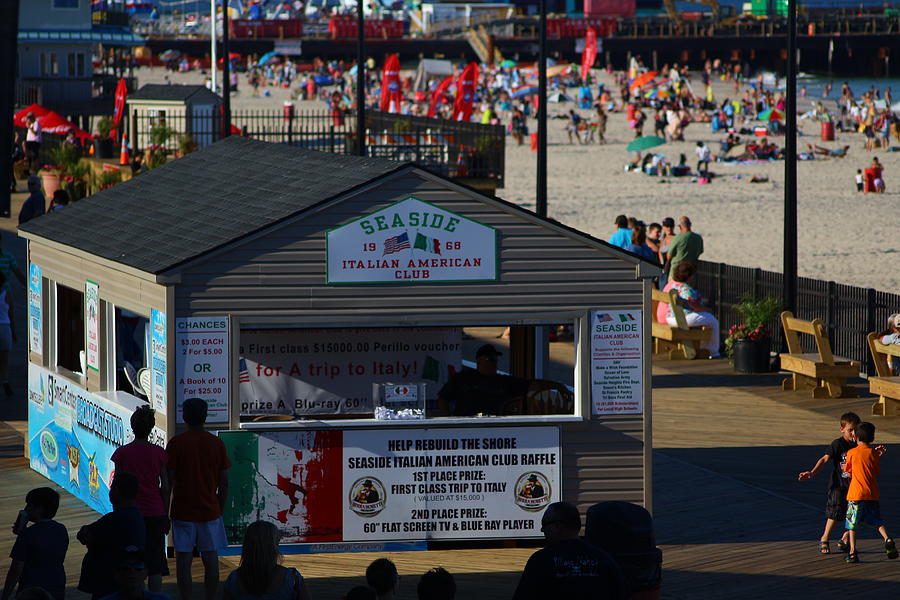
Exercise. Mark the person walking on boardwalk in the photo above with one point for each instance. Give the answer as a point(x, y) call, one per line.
point(863, 464)
point(569, 567)
point(198, 472)
point(838, 483)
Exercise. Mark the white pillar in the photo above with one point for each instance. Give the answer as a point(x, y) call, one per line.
point(212, 43)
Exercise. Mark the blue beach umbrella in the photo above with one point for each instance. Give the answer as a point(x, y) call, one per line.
point(267, 58)
point(528, 90)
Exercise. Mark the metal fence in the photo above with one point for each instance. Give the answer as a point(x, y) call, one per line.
point(470, 152)
point(849, 312)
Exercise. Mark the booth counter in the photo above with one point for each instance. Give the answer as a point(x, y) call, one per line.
point(302, 295)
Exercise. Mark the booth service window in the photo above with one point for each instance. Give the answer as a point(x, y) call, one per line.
point(69, 328)
point(132, 349)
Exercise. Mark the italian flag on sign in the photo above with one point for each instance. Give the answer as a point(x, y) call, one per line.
point(427, 244)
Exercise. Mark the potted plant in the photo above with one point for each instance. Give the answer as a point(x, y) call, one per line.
point(186, 144)
point(748, 342)
point(64, 158)
point(108, 179)
point(76, 181)
point(104, 145)
point(156, 153)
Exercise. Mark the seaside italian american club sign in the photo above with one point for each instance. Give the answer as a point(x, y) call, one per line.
point(412, 241)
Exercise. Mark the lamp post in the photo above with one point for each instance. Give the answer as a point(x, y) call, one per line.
point(9, 32)
point(790, 166)
point(360, 80)
point(541, 192)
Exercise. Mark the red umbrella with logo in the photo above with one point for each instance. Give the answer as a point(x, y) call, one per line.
point(38, 110)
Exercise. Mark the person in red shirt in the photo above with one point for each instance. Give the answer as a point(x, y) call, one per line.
point(198, 470)
point(863, 463)
point(147, 462)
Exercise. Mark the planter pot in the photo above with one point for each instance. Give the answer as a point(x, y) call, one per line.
point(50, 182)
point(751, 356)
point(104, 148)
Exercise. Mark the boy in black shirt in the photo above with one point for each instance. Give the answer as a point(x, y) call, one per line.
point(568, 567)
point(836, 503)
point(39, 553)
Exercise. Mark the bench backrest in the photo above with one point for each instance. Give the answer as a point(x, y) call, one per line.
point(816, 328)
point(658, 297)
point(879, 357)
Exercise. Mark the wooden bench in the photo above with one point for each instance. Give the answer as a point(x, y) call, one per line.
point(680, 341)
point(822, 372)
point(884, 384)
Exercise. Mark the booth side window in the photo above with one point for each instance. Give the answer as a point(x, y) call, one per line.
point(132, 349)
point(69, 328)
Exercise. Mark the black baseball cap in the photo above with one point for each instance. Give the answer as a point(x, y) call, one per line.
point(487, 350)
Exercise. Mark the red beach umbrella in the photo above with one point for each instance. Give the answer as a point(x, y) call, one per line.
point(38, 110)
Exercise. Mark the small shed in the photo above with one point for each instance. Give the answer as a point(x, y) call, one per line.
point(184, 109)
point(299, 293)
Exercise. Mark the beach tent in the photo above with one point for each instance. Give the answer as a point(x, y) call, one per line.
point(558, 97)
point(431, 69)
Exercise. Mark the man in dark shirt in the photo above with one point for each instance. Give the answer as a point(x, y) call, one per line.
point(108, 537)
point(568, 567)
point(482, 391)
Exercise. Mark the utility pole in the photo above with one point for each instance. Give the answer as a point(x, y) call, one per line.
point(541, 192)
point(790, 166)
point(226, 73)
point(360, 79)
point(9, 32)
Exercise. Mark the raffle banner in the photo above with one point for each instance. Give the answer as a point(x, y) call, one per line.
point(92, 318)
point(331, 371)
point(35, 309)
point(159, 397)
point(72, 434)
point(617, 362)
point(201, 367)
point(399, 484)
point(421, 484)
point(412, 241)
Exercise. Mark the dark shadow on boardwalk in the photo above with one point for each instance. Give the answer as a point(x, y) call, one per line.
point(740, 586)
point(727, 380)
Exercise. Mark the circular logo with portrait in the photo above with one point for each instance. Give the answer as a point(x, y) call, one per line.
point(367, 497)
point(532, 491)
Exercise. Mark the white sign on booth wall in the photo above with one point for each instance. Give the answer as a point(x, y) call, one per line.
point(35, 309)
point(416, 484)
point(92, 318)
point(617, 365)
point(201, 365)
point(412, 241)
point(331, 371)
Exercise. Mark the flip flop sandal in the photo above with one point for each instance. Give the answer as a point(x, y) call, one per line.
point(824, 548)
point(891, 548)
point(853, 557)
point(843, 546)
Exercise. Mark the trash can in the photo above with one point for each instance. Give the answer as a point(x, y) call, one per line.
point(827, 131)
point(625, 531)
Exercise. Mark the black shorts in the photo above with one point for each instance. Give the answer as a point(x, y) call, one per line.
point(836, 504)
point(156, 546)
point(33, 148)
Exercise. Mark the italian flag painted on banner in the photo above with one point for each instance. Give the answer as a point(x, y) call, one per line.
point(427, 244)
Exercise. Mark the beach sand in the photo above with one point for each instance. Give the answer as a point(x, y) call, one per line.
point(843, 235)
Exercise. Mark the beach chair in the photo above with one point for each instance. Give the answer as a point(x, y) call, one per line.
point(884, 383)
point(680, 340)
point(822, 372)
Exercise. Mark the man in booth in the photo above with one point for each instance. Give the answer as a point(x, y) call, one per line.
point(482, 390)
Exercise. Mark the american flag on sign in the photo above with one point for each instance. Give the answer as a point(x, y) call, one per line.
point(396, 244)
point(244, 376)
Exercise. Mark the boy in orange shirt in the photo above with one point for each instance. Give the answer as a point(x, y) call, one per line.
point(863, 464)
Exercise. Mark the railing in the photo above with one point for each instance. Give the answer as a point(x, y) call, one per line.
point(467, 151)
point(849, 312)
point(27, 93)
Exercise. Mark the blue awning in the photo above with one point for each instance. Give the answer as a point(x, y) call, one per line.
point(92, 36)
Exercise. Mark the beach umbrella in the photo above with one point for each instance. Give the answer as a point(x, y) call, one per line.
point(38, 110)
point(528, 90)
point(267, 58)
point(557, 70)
point(773, 114)
point(645, 143)
point(508, 64)
point(642, 79)
point(654, 94)
point(323, 80)
point(169, 55)
point(55, 123)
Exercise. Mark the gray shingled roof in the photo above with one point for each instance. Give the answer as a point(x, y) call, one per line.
point(204, 200)
point(171, 93)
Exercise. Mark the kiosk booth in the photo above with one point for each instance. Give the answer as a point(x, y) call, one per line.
point(319, 303)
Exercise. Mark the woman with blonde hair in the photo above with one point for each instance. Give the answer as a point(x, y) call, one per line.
point(260, 576)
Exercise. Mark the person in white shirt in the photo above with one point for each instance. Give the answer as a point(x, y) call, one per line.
point(703, 157)
point(33, 139)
